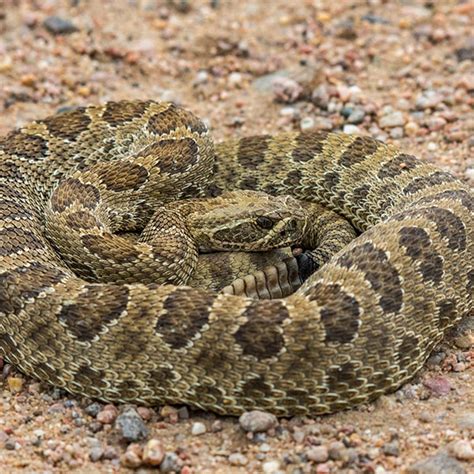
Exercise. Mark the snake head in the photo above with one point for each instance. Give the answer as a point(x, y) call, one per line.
point(248, 221)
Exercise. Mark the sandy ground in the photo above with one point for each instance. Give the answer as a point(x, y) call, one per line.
point(400, 71)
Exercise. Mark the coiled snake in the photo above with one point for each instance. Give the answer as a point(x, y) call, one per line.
point(357, 328)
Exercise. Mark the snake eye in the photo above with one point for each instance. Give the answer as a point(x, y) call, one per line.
point(265, 222)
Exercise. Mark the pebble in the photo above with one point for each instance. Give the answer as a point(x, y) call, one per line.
point(153, 452)
point(356, 116)
point(198, 428)
point(396, 132)
point(257, 421)
point(462, 450)
point(318, 454)
point(235, 78)
point(392, 119)
point(466, 420)
point(307, 123)
point(436, 123)
point(93, 409)
point(170, 463)
point(271, 467)
point(428, 99)
point(320, 96)
point(439, 386)
point(440, 463)
point(411, 128)
point(132, 456)
point(201, 78)
point(130, 426)
point(96, 453)
point(286, 90)
point(59, 26)
point(336, 450)
point(465, 54)
point(322, 123)
point(432, 146)
point(238, 459)
point(348, 128)
point(391, 449)
point(15, 384)
point(107, 415)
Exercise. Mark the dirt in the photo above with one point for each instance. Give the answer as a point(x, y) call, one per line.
point(400, 71)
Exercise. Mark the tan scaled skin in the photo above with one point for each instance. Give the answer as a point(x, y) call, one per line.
point(359, 327)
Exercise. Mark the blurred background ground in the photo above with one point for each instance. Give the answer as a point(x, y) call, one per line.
point(401, 71)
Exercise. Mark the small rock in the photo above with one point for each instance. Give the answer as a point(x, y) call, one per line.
point(238, 459)
point(462, 450)
point(371, 18)
point(235, 78)
point(336, 450)
point(465, 54)
point(391, 449)
point(322, 123)
point(15, 384)
point(145, 413)
point(170, 463)
point(439, 386)
point(318, 454)
point(93, 409)
point(393, 119)
point(286, 90)
point(257, 421)
point(153, 452)
point(201, 78)
point(107, 415)
point(132, 456)
point(466, 420)
point(440, 463)
point(307, 123)
point(271, 467)
point(216, 426)
point(59, 26)
point(183, 413)
point(130, 426)
point(96, 453)
point(428, 99)
point(348, 128)
point(320, 97)
point(426, 417)
point(396, 132)
point(198, 428)
point(436, 123)
point(356, 116)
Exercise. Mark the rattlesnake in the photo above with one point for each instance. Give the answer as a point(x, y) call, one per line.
point(357, 328)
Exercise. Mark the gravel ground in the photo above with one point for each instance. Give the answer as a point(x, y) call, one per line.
point(400, 71)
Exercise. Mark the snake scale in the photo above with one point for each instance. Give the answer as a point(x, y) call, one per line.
point(359, 327)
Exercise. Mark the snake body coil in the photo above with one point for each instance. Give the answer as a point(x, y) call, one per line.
point(358, 328)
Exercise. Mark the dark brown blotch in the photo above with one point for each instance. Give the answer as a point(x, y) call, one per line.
point(173, 118)
point(358, 151)
point(344, 377)
point(423, 182)
point(417, 244)
point(293, 179)
point(68, 125)
point(82, 220)
point(331, 180)
point(309, 145)
point(15, 239)
point(14, 210)
point(450, 226)
point(457, 194)
point(252, 150)
point(122, 176)
point(118, 113)
point(110, 247)
point(408, 351)
point(87, 376)
point(261, 336)
point(398, 165)
point(378, 271)
point(23, 145)
point(256, 388)
point(186, 311)
point(24, 283)
point(173, 156)
point(11, 171)
point(96, 307)
point(340, 312)
point(447, 312)
point(71, 190)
